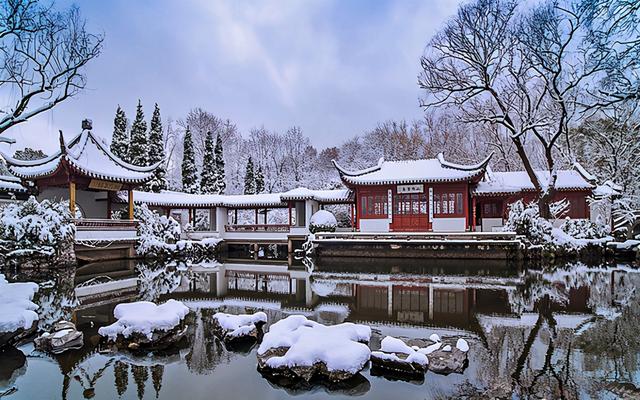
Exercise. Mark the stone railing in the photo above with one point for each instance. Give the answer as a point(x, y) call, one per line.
point(257, 228)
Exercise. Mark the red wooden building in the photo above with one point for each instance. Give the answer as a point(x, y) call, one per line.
point(440, 196)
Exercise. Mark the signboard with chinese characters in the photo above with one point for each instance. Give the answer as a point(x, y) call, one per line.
point(410, 189)
point(105, 185)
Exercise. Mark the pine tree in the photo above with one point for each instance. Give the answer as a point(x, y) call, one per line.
point(120, 138)
point(189, 181)
point(221, 180)
point(259, 180)
point(156, 153)
point(209, 174)
point(139, 146)
point(249, 179)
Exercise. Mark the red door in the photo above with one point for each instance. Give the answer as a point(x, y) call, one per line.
point(410, 212)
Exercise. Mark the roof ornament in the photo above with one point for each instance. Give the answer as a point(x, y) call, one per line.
point(63, 146)
point(87, 124)
point(481, 165)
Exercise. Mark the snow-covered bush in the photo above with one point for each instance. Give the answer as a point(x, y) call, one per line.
point(322, 221)
point(154, 230)
point(524, 219)
point(584, 229)
point(35, 228)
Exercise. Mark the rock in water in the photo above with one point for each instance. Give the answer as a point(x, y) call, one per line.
point(63, 337)
point(238, 328)
point(143, 324)
point(298, 348)
point(447, 362)
point(398, 358)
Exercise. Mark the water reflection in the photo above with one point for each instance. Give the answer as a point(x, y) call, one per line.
point(566, 332)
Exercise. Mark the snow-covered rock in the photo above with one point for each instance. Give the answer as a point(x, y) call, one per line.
point(17, 310)
point(63, 337)
point(462, 345)
point(296, 347)
point(232, 328)
point(144, 323)
point(396, 355)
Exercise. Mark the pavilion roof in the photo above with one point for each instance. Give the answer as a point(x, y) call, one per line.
point(85, 155)
point(512, 182)
point(168, 198)
point(413, 171)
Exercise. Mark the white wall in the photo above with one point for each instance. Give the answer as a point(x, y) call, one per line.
point(449, 224)
point(92, 204)
point(488, 224)
point(374, 225)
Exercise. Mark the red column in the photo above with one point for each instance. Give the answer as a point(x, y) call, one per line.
point(289, 213)
point(473, 213)
point(256, 216)
point(353, 216)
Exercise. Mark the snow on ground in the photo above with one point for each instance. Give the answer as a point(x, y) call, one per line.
point(339, 347)
point(626, 245)
point(391, 346)
point(144, 317)
point(239, 325)
point(17, 309)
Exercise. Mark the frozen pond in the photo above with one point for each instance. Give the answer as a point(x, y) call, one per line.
point(569, 332)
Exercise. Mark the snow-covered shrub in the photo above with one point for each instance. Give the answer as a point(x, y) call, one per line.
point(575, 235)
point(154, 230)
point(524, 219)
point(322, 221)
point(584, 229)
point(35, 228)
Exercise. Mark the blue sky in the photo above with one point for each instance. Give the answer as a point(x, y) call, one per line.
point(334, 68)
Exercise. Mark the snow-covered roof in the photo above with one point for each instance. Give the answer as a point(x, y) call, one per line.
point(174, 199)
point(11, 184)
point(413, 171)
point(86, 155)
point(518, 181)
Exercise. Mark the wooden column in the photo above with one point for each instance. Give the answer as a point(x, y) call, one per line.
point(289, 213)
point(473, 213)
point(108, 205)
point(256, 216)
point(353, 216)
point(131, 204)
point(72, 198)
point(265, 216)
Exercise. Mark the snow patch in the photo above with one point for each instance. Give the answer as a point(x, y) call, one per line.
point(17, 310)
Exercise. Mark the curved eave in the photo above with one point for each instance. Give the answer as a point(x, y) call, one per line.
point(105, 177)
point(40, 175)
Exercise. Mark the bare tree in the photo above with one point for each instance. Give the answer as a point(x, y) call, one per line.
point(43, 53)
point(518, 70)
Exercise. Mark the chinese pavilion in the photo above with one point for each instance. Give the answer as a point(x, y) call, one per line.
point(84, 172)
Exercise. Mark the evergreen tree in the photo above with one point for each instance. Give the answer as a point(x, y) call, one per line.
point(139, 146)
point(120, 138)
point(209, 174)
point(189, 181)
point(249, 179)
point(221, 180)
point(259, 180)
point(156, 153)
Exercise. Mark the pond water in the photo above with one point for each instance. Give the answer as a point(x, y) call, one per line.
point(563, 332)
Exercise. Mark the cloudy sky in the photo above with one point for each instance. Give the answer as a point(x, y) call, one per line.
point(334, 68)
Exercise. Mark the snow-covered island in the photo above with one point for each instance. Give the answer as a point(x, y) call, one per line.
point(18, 317)
point(399, 358)
point(298, 348)
point(144, 324)
point(236, 328)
